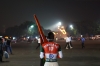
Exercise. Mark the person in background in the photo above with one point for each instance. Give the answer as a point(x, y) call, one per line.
point(67, 46)
point(5, 43)
point(2, 48)
point(39, 42)
point(9, 48)
point(82, 40)
point(70, 38)
point(50, 51)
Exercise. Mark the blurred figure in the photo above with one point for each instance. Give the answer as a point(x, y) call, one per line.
point(70, 37)
point(5, 43)
point(39, 42)
point(56, 38)
point(14, 41)
point(83, 40)
point(9, 48)
point(67, 46)
point(1, 49)
point(68, 42)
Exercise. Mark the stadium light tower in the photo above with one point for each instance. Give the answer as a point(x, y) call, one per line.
point(59, 23)
point(71, 26)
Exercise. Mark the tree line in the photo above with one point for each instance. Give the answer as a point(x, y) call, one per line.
point(86, 28)
point(79, 28)
point(24, 29)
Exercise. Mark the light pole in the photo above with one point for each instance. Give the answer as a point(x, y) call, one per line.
point(30, 29)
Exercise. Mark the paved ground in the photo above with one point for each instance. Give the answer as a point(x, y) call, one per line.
point(25, 54)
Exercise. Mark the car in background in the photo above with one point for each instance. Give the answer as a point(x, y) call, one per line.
point(13, 41)
point(97, 36)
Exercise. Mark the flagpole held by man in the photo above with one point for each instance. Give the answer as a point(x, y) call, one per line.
point(49, 50)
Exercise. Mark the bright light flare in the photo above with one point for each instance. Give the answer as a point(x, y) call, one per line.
point(59, 23)
point(14, 38)
point(71, 26)
point(54, 26)
point(28, 37)
point(36, 37)
point(31, 26)
point(62, 29)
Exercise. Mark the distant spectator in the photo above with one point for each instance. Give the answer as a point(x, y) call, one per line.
point(68, 41)
point(5, 44)
point(70, 37)
point(9, 48)
point(1, 49)
point(39, 42)
point(83, 40)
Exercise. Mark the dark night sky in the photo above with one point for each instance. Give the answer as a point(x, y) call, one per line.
point(49, 12)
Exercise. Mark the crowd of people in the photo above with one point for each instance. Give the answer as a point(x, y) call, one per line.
point(5, 46)
point(51, 48)
point(50, 54)
point(69, 43)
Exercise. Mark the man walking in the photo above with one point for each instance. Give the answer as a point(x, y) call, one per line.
point(83, 40)
point(68, 41)
point(70, 37)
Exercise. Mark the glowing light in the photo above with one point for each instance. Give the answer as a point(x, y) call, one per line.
point(6, 37)
point(14, 38)
point(71, 26)
point(28, 37)
point(32, 26)
point(0, 36)
point(62, 29)
point(36, 37)
point(53, 32)
point(59, 23)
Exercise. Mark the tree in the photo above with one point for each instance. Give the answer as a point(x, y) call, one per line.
point(23, 29)
point(87, 27)
point(72, 31)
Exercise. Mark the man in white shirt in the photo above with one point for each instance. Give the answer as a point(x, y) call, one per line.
point(70, 37)
point(68, 41)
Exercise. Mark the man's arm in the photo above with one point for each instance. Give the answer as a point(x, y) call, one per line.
point(41, 52)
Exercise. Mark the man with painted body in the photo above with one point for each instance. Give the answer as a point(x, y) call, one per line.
point(50, 51)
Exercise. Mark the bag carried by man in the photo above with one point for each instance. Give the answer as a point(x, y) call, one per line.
point(6, 55)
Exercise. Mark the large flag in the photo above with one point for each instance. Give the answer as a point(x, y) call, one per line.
point(42, 37)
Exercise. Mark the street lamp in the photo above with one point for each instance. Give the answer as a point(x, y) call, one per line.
point(71, 26)
point(31, 26)
point(59, 23)
point(30, 29)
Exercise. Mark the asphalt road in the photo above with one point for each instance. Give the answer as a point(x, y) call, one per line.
point(25, 54)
